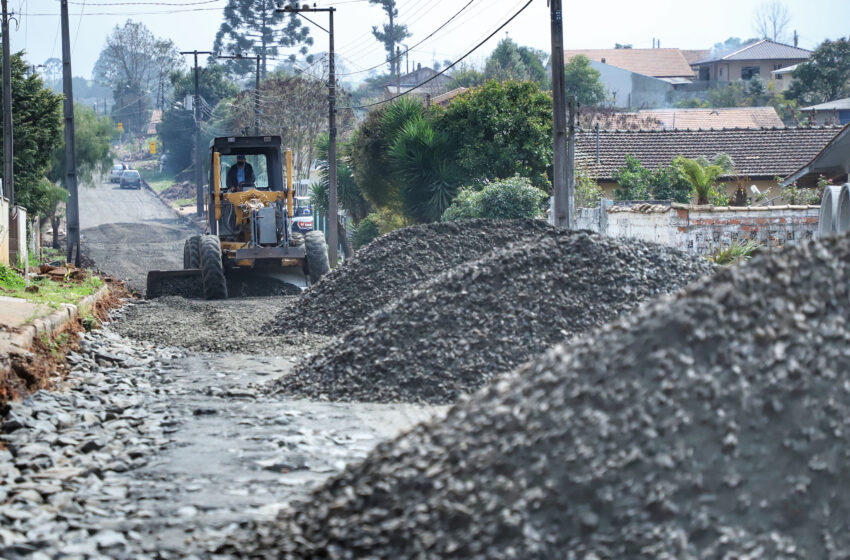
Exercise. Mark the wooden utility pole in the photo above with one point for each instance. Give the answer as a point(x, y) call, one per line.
point(8, 136)
point(562, 215)
point(571, 163)
point(199, 150)
point(333, 208)
point(72, 238)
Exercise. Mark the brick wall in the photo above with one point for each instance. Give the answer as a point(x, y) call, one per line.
point(703, 229)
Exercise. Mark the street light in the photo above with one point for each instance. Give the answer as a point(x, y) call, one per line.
point(240, 56)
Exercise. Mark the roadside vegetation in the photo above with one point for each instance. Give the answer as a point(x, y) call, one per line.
point(47, 290)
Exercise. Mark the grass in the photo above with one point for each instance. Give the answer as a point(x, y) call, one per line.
point(184, 202)
point(736, 252)
point(158, 181)
point(50, 292)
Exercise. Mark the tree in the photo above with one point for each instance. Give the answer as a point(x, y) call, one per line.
point(731, 44)
point(390, 34)
point(770, 20)
point(128, 65)
point(500, 130)
point(255, 27)
point(466, 75)
point(92, 137)
point(700, 176)
point(178, 124)
point(583, 81)
point(37, 124)
point(166, 59)
point(825, 76)
point(349, 196)
point(422, 162)
point(509, 61)
point(636, 182)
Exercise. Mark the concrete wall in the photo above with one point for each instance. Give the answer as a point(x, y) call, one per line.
point(703, 229)
point(17, 236)
point(4, 231)
point(629, 90)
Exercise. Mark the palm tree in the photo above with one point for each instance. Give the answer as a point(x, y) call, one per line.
point(701, 177)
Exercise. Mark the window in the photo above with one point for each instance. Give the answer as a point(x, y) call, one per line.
point(258, 163)
point(777, 67)
point(747, 72)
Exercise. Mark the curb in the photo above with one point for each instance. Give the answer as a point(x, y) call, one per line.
point(20, 342)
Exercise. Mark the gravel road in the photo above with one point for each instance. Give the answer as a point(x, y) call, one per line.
point(163, 438)
point(128, 232)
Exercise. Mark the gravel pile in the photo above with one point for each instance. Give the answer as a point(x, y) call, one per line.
point(454, 332)
point(713, 424)
point(388, 267)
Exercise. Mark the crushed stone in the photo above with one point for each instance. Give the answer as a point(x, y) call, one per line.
point(711, 424)
point(452, 333)
point(391, 265)
point(232, 325)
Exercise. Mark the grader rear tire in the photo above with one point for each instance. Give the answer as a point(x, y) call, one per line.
point(317, 255)
point(212, 268)
point(192, 253)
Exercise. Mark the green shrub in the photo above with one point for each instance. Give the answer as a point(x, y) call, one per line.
point(367, 230)
point(513, 198)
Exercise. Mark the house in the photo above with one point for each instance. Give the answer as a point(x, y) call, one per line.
point(436, 83)
point(782, 78)
point(833, 112)
point(760, 155)
point(693, 55)
point(665, 64)
point(445, 98)
point(832, 162)
point(760, 58)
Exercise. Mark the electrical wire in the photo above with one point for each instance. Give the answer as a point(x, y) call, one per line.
point(450, 66)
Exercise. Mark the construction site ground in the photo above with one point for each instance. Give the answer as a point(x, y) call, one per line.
point(161, 439)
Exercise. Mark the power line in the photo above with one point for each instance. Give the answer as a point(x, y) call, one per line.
point(79, 24)
point(395, 58)
point(450, 66)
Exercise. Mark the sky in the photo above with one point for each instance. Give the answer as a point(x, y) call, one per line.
point(192, 24)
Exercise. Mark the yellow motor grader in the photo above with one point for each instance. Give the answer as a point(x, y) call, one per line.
point(249, 224)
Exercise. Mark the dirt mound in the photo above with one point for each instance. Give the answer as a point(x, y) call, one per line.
point(179, 191)
point(389, 266)
point(453, 333)
point(712, 424)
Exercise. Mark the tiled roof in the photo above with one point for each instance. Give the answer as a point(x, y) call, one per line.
point(692, 55)
point(735, 117)
point(760, 50)
point(766, 153)
point(445, 98)
point(658, 63)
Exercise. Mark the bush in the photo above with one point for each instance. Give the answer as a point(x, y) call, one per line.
point(513, 198)
point(366, 231)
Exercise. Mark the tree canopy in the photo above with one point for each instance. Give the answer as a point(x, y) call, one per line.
point(255, 27)
point(37, 126)
point(583, 81)
point(509, 61)
point(391, 33)
point(825, 76)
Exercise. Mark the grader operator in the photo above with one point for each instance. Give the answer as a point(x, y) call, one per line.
point(249, 208)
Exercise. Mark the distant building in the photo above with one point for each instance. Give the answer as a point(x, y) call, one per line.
point(760, 155)
point(760, 58)
point(436, 83)
point(782, 78)
point(832, 162)
point(698, 119)
point(833, 112)
point(445, 98)
point(664, 64)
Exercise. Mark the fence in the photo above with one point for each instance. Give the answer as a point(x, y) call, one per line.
point(701, 229)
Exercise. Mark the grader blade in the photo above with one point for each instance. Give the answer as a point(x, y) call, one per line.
point(185, 283)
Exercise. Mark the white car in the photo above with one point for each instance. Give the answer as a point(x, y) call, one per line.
point(116, 172)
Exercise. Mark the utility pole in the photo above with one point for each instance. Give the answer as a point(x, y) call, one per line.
point(72, 241)
point(8, 136)
point(256, 88)
point(571, 163)
point(562, 215)
point(196, 106)
point(333, 210)
point(398, 70)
